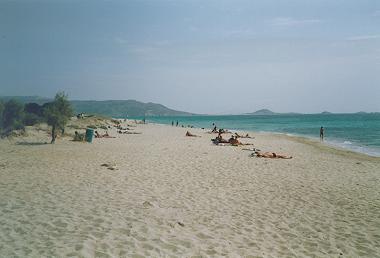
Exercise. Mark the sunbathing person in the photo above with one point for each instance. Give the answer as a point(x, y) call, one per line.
point(106, 135)
point(242, 136)
point(121, 132)
point(191, 135)
point(271, 155)
point(97, 135)
point(219, 139)
point(234, 141)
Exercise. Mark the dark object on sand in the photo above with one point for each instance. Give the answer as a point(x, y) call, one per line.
point(89, 134)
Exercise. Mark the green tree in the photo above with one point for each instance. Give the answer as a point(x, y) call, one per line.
point(12, 116)
point(58, 113)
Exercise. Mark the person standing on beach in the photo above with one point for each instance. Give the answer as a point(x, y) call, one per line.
point(176, 123)
point(321, 133)
point(172, 123)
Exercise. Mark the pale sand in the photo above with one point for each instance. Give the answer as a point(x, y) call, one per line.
point(176, 196)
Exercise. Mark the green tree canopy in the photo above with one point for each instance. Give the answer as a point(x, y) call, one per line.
point(58, 113)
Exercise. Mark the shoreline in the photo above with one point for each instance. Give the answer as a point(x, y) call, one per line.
point(299, 138)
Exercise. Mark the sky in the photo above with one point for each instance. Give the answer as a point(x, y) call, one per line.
point(201, 56)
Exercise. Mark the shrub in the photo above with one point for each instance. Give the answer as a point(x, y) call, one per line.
point(58, 113)
point(31, 119)
point(12, 116)
point(34, 108)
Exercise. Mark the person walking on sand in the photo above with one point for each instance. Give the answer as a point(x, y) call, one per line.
point(321, 133)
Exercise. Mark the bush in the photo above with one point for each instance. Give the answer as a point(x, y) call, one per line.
point(32, 119)
point(12, 116)
point(34, 108)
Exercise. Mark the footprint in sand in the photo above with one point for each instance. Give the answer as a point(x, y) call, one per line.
point(109, 166)
point(147, 204)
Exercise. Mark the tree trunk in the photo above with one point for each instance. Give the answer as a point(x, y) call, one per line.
point(53, 135)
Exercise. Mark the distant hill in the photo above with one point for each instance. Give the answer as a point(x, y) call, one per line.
point(27, 99)
point(262, 112)
point(326, 113)
point(123, 108)
point(267, 112)
point(114, 108)
point(364, 113)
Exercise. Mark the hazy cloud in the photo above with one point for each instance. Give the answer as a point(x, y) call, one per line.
point(290, 21)
point(237, 33)
point(363, 37)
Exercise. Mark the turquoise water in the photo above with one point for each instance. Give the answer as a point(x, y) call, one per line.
point(358, 132)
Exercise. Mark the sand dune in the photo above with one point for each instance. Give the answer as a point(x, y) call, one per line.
point(176, 196)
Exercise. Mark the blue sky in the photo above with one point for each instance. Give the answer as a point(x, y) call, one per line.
point(198, 56)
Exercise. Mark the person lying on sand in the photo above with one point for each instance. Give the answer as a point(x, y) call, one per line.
point(106, 135)
point(121, 132)
point(219, 139)
point(243, 136)
point(271, 155)
point(119, 127)
point(191, 135)
point(234, 141)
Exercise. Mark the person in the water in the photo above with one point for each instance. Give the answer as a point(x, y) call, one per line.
point(321, 133)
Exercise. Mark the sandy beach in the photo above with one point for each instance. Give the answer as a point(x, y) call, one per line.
point(167, 195)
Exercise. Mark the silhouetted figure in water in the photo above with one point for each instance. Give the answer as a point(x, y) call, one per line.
point(321, 133)
point(176, 123)
point(172, 123)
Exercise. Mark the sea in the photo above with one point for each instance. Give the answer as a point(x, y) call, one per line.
point(358, 132)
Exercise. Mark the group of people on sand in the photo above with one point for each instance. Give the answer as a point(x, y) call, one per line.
point(122, 130)
point(233, 141)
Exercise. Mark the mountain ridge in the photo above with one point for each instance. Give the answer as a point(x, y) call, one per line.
point(113, 108)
